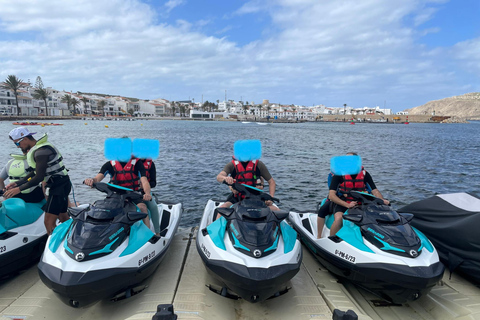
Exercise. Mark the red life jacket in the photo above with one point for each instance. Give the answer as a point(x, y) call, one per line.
point(147, 163)
point(246, 175)
point(351, 184)
point(125, 176)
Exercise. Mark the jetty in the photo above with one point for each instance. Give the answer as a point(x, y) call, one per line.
point(182, 280)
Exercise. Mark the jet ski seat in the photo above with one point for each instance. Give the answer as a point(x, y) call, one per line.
point(15, 212)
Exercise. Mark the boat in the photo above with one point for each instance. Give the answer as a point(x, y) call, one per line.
point(376, 249)
point(22, 234)
point(450, 221)
point(105, 250)
point(249, 248)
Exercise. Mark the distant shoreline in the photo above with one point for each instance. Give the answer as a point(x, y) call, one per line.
point(375, 119)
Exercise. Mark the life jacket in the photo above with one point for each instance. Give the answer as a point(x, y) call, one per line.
point(147, 163)
point(125, 176)
point(18, 168)
point(351, 184)
point(55, 166)
point(246, 175)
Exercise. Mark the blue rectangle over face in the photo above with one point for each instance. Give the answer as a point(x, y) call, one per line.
point(247, 150)
point(146, 148)
point(119, 149)
point(345, 165)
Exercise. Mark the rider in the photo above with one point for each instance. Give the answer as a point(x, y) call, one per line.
point(46, 163)
point(14, 170)
point(339, 199)
point(251, 173)
point(151, 174)
point(126, 174)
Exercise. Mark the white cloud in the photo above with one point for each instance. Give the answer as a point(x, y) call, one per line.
point(172, 4)
point(319, 51)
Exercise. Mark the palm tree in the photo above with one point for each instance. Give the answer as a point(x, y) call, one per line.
point(101, 106)
point(68, 100)
point(13, 83)
point(85, 101)
point(245, 109)
point(75, 103)
point(41, 94)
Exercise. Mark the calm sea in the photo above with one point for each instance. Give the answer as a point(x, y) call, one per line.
point(407, 162)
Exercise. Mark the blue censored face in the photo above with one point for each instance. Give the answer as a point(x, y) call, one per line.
point(123, 149)
point(346, 165)
point(247, 150)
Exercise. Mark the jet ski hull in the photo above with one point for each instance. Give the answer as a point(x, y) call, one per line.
point(79, 289)
point(394, 281)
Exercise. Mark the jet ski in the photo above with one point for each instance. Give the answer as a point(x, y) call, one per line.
point(105, 249)
point(22, 234)
point(459, 215)
point(376, 249)
point(249, 248)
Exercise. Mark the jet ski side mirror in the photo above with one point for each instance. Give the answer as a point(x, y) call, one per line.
point(280, 214)
point(226, 212)
point(355, 218)
point(134, 216)
point(408, 216)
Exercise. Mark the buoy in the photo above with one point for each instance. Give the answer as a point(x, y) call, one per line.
point(141, 124)
point(42, 125)
point(106, 126)
point(85, 123)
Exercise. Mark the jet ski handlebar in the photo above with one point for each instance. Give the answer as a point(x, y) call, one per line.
point(248, 191)
point(366, 198)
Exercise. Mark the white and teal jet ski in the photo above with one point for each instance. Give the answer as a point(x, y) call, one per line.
point(376, 249)
point(250, 248)
point(22, 234)
point(105, 249)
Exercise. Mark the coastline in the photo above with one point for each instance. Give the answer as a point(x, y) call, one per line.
point(376, 119)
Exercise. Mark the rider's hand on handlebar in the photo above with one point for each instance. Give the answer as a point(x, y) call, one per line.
point(228, 180)
point(88, 182)
point(147, 197)
point(352, 204)
point(269, 203)
point(386, 202)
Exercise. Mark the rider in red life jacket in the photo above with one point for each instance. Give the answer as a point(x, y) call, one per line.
point(129, 174)
point(252, 173)
point(151, 174)
point(341, 201)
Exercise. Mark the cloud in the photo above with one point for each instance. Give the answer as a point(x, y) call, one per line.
point(313, 51)
point(172, 4)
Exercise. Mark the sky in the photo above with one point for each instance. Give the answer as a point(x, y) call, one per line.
point(396, 54)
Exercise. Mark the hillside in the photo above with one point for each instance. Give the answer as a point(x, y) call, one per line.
point(464, 106)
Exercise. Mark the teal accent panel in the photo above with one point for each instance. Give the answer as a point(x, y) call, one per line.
point(274, 245)
point(289, 237)
point(247, 150)
point(329, 220)
point(139, 235)
point(216, 230)
point(351, 234)
point(16, 213)
point(65, 245)
point(425, 242)
point(387, 246)
point(237, 243)
point(119, 187)
point(106, 249)
point(58, 234)
point(2, 229)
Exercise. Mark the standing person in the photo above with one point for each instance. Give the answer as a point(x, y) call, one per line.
point(132, 175)
point(151, 174)
point(338, 194)
point(16, 169)
point(251, 173)
point(46, 162)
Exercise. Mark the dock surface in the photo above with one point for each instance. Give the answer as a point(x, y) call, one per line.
point(183, 281)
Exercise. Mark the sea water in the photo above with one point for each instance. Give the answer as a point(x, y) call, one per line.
point(407, 162)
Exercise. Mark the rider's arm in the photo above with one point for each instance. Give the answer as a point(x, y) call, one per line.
point(145, 185)
point(3, 177)
point(332, 196)
point(224, 174)
point(35, 178)
point(375, 191)
point(271, 186)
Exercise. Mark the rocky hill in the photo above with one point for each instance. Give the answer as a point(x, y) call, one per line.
point(464, 106)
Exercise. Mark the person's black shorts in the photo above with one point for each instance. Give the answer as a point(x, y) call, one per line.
point(58, 190)
point(325, 209)
point(338, 208)
point(33, 197)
